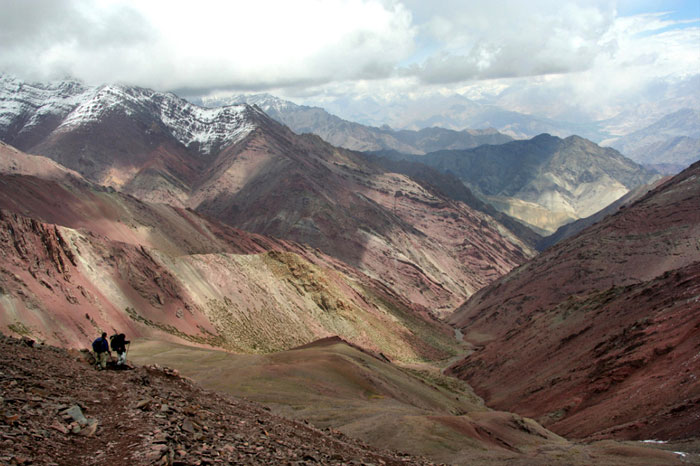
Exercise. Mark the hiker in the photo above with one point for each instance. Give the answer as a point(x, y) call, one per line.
point(101, 349)
point(118, 343)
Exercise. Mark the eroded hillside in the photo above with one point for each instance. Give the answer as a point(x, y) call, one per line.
point(605, 317)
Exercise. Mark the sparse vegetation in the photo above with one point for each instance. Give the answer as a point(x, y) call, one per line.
point(20, 329)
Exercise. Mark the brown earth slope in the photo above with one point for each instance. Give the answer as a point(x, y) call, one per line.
point(240, 166)
point(339, 386)
point(79, 259)
point(433, 250)
point(147, 416)
point(599, 336)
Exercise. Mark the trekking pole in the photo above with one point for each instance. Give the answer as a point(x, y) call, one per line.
point(127, 352)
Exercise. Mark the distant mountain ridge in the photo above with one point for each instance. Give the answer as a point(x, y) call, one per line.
point(672, 140)
point(457, 112)
point(545, 181)
point(356, 136)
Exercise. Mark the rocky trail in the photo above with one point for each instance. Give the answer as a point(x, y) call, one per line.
point(55, 409)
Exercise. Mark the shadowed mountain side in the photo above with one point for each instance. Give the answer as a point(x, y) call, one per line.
point(573, 228)
point(123, 152)
point(450, 186)
point(242, 167)
point(90, 259)
point(435, 250)
point(605, 317)
point(15, 162)
point(544, 181)
point(336, 386)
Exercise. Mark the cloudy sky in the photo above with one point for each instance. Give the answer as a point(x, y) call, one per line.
point(595, 55)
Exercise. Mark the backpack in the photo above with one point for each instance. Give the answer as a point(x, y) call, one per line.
point(97, 345)
point(116, 342)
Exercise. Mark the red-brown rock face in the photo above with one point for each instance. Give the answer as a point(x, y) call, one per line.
point(432, 250)
point(238, 165)
point(600, 335)
point(79, 259)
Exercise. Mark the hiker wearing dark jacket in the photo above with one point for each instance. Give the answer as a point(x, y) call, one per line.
point(119, 343)
point(101, 349)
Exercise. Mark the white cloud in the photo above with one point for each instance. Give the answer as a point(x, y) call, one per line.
point(630, 65)
point(563, 58)
point(168, 45)
point(486, 40)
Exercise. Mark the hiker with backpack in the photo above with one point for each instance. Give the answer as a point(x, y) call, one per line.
point(101, 349)
point(118, 343)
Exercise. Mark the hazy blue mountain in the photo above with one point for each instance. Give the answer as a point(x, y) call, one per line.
point(674, 140)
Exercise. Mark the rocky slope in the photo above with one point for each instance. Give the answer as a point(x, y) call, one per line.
point(356, 136)
point(240, 166)
point(450, 186)
point(56, 410)
point(342, 387)
point(545, 181)
point(574, 228)
point(608, 316)
point(80, 259)
point(432, 249)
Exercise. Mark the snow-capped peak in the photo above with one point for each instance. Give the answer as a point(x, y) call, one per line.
point(74, 104)
point(266, 102)
point(35, 101)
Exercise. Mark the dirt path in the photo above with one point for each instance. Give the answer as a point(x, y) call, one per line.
point(149, 415)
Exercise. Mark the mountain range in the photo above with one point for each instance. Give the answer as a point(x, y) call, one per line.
point(454, 112)
point(673, 142)
point(647, 135)
point(545, 181)
point(238, 165)
point(334, 286)
point(356, 136)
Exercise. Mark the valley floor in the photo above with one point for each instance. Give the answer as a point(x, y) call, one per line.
point(408, 408)
point(145, 416)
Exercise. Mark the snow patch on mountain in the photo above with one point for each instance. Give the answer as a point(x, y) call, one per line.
point(19, 100)
point(207, 127)
point(203, 129)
